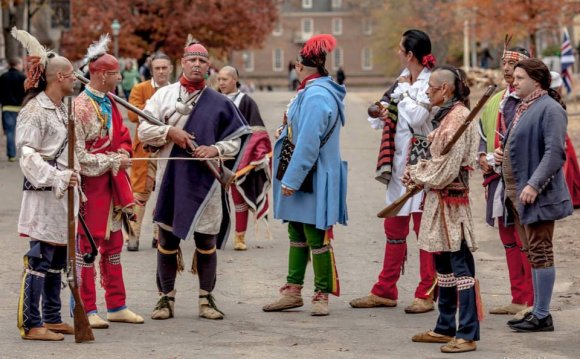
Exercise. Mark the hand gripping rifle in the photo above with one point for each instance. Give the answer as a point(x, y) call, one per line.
point(83, 332)
point(223, 174)
point(393, 209)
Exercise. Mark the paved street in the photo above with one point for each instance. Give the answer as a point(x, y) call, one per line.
point(248, 280)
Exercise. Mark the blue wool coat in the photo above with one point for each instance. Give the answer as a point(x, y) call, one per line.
point(311, 115)
point(537, 155)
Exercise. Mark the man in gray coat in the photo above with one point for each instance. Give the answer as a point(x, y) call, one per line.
point(532, 160)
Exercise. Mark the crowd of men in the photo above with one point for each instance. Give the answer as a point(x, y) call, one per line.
point(194, 146)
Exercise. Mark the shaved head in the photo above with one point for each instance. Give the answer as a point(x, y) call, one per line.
point(444, 75)
point(55, 65)
point(230, 71)
point(228, 80)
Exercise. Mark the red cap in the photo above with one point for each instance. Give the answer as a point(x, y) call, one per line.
point(105, 62)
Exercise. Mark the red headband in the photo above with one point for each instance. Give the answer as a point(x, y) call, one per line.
point(195, 50)
point(513, 55)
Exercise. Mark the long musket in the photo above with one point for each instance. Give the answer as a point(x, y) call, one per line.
point(394, 208)
point(83, 332)
point(223, 174)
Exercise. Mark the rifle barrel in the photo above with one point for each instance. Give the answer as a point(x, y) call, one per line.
point(223, 175)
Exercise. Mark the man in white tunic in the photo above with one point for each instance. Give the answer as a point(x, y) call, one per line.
point(41, 137)
point(409, 114)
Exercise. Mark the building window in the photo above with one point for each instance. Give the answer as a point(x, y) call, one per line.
point(307, 4)
point(337, 58)
point(336, 4)
point(367, 26)
point(337, 26)
point(278, 29)
point(278, 60)
point(307, 27)
point(367, 59)
point(248, 59)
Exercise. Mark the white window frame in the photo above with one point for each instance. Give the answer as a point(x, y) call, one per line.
point(336, 4)
point(248, 61)
point(281, 67)
point(307, 35)
point(337, 26)
point(338, 52)
point(307, 4)
point(278, 29)
point(367, 26)
point(367, 51)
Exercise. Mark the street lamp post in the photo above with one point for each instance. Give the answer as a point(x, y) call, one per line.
point(116, 28)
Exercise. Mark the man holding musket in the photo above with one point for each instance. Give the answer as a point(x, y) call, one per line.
point(191, 201)
point(41, 137)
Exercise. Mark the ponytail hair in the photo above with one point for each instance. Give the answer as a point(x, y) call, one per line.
point(419, 43)
point(556, 96)
point(461, 89)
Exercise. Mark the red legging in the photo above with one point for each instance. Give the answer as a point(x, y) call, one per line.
point(241, 210)
point(111, 273)
point(396, 230)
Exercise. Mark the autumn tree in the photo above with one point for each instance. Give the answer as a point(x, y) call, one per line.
point(525, 19)
point(148, 26)
point(441, 19)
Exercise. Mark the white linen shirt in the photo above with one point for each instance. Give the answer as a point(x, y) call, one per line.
point(40, 131)
point(414, 112)
point(162, 104)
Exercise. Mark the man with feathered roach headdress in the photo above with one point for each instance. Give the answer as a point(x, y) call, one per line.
point(103, 146)
point(310, 183)
point(41, 137)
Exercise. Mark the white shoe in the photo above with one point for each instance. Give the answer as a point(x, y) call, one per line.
point(125, 316)
point(97, 322)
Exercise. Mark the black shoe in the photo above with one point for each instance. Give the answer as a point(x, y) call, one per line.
point(533, 324)
point(517, 321)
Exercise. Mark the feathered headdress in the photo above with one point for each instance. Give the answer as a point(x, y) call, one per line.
point(318, 45)
point(98, 58)
point(511, 55)
point(314, 51)
point(98, 48)
point(190, 40)
point(194, 48)
point(37, 58)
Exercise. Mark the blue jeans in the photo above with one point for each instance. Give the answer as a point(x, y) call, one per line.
point(9, 127)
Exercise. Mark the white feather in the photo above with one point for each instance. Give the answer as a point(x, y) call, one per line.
point(98, 48)
point(190, 40)
point(31, 44)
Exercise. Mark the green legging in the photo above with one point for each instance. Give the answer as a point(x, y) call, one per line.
point(303, 239)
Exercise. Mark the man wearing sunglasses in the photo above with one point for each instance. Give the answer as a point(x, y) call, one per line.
point(103, 146)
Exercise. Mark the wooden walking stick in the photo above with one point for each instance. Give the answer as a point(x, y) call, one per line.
point(83, 332)
point(393, 209)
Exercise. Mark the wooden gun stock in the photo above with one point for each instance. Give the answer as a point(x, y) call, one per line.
point(224, 175)
point(393, 209)
point(468, 119)
point(83, 331)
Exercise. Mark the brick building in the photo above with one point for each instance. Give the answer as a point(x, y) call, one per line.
point(298, 21)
